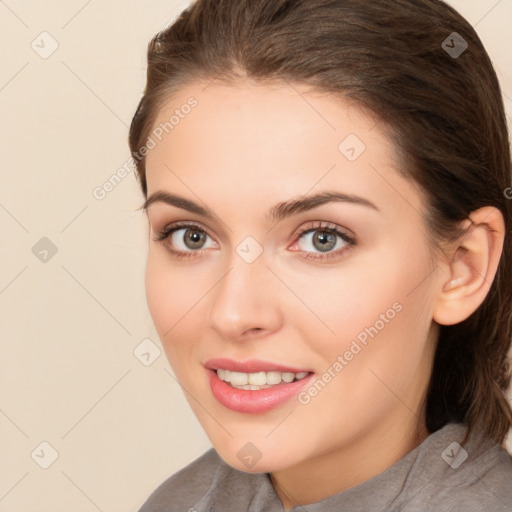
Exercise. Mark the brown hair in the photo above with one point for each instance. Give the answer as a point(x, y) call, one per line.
point(446, 118)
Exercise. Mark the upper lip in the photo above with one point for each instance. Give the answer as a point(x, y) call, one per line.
point(251, 366)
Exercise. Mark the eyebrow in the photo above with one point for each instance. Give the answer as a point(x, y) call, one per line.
point(276, 213)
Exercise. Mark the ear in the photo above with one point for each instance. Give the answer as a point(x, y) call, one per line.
point(472, 266)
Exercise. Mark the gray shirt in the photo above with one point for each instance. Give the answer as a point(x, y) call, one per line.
point(436, 476)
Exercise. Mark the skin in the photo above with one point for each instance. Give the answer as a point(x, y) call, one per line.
point(244, 148)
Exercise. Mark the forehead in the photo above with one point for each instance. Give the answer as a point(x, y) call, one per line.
point(263, 109)
point(264, 139)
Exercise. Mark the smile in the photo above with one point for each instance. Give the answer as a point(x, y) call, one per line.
point(254, 386)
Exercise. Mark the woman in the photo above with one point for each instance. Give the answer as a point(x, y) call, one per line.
point(329, 264)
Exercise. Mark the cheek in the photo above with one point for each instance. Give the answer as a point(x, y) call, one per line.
point(174, 302)
point(160, 295)
point(375, 309)
point(396, 358)
point(341, 302)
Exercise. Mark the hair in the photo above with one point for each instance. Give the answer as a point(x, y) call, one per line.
point(445, 115)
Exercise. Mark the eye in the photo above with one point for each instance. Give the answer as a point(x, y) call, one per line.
point(188, 239)
point(320, 241)
point(316, 240)
point(184, 239)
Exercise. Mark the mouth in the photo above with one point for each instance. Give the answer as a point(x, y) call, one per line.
point(254, 386)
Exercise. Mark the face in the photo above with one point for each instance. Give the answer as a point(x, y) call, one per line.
point(288, 248)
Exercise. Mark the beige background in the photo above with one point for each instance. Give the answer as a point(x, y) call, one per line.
point(69, 325)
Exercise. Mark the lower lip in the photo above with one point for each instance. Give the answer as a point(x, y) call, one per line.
point(254, 401)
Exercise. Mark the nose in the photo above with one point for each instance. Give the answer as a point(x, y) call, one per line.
point(246, 301)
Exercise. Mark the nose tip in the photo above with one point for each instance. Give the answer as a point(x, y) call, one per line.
point(243, 304)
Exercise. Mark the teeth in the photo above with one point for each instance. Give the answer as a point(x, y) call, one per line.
point(258, 380)
point(238, 378)
point(248, 387)
point(273, 378)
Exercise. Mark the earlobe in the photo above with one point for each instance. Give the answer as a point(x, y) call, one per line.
point(472, 268)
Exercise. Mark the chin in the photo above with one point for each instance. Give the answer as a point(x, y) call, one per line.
point(254, 457)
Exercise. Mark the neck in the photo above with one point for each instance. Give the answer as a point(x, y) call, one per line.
point(338, 470)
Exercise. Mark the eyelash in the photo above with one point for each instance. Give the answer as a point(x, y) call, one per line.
point(166, 231)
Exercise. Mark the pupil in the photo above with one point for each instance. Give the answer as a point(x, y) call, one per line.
point(327, 240)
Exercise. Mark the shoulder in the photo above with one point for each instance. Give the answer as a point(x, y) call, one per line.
point(472, 478)
point(485, 483)
point(189, 485)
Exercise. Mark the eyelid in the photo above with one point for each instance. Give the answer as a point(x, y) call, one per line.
point(167, 229)
point(328, 226)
